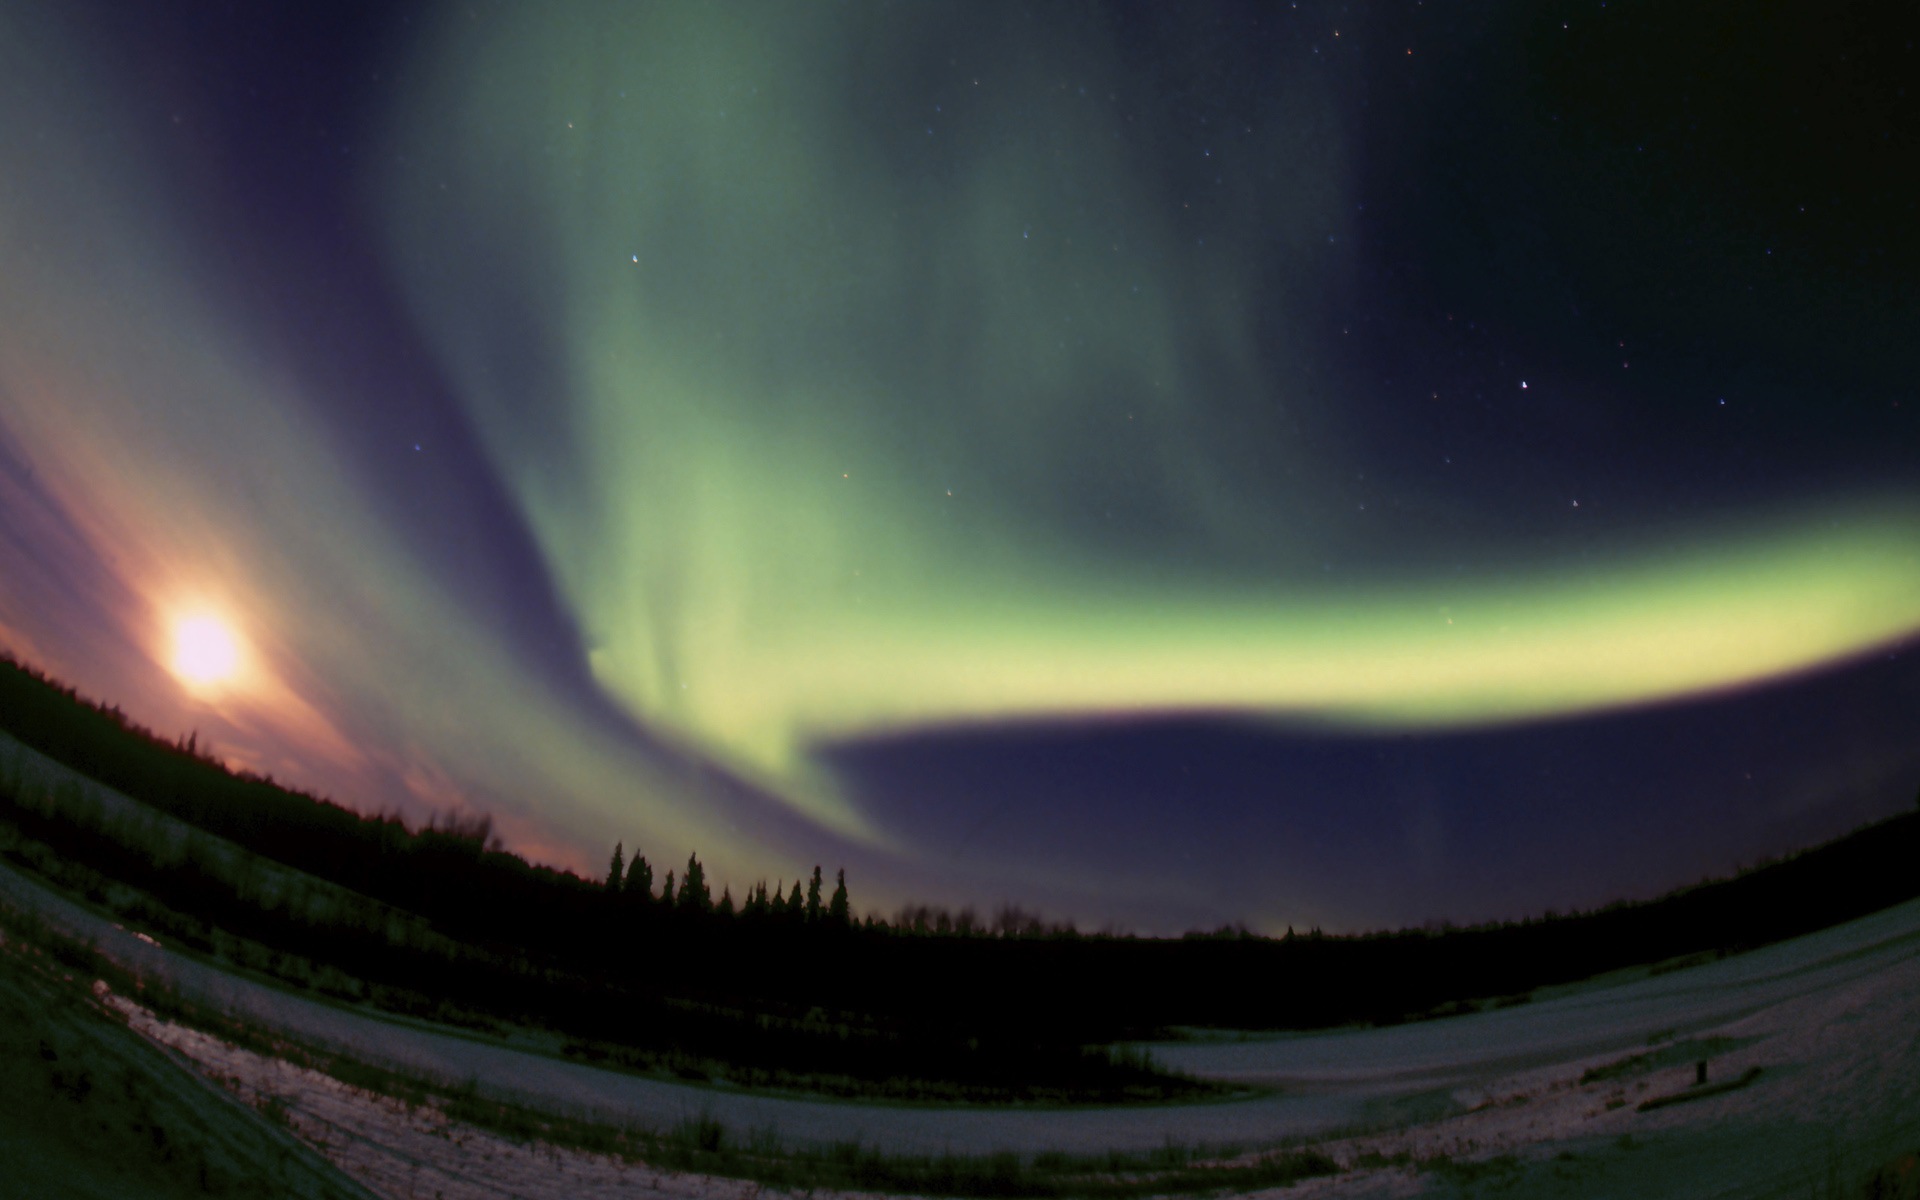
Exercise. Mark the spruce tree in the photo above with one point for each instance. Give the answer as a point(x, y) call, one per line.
point(813, 897)
point(795, 905)
point(726, 902)
point(639, 884)
point(778, 906)
point(694, 895)
point(617, 871)
point(666, 892)
point(839, 914)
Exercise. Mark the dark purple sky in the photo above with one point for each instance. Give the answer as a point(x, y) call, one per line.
point(1159, 465)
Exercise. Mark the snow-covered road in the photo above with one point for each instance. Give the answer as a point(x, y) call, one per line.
point(1832, 1019)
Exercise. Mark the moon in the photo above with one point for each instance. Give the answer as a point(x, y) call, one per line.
point(205, 650)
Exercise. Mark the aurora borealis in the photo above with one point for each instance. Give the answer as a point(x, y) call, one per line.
point(920, 437)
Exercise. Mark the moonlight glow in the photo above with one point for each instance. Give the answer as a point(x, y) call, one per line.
point(205, 651)
point(1157, 466)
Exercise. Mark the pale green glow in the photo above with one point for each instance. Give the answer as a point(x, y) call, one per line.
point(189, 464)
point(818, 449)
point(1640, 628)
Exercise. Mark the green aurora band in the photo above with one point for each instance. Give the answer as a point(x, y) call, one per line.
point(187, 457)
point(822, 412)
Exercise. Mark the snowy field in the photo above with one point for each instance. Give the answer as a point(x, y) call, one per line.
point(1548, 1097)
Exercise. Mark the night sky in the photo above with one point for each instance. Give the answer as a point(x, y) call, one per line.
point(1160, 464)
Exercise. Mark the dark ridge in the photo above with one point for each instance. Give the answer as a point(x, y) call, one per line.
point(785, 982)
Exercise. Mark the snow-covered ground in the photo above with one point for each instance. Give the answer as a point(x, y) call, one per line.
point(1832, 1022)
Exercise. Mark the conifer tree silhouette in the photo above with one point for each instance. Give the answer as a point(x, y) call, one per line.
point(813, 897)
point(666, 891)
point(838, 912)
point(639, 885)
point(795, 905)
point(694, 896)
point(616, 873)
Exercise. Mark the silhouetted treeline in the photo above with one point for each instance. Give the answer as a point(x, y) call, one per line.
point(630, 883)
point(1110, 987)
point(786, 974)
point(609, 967)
